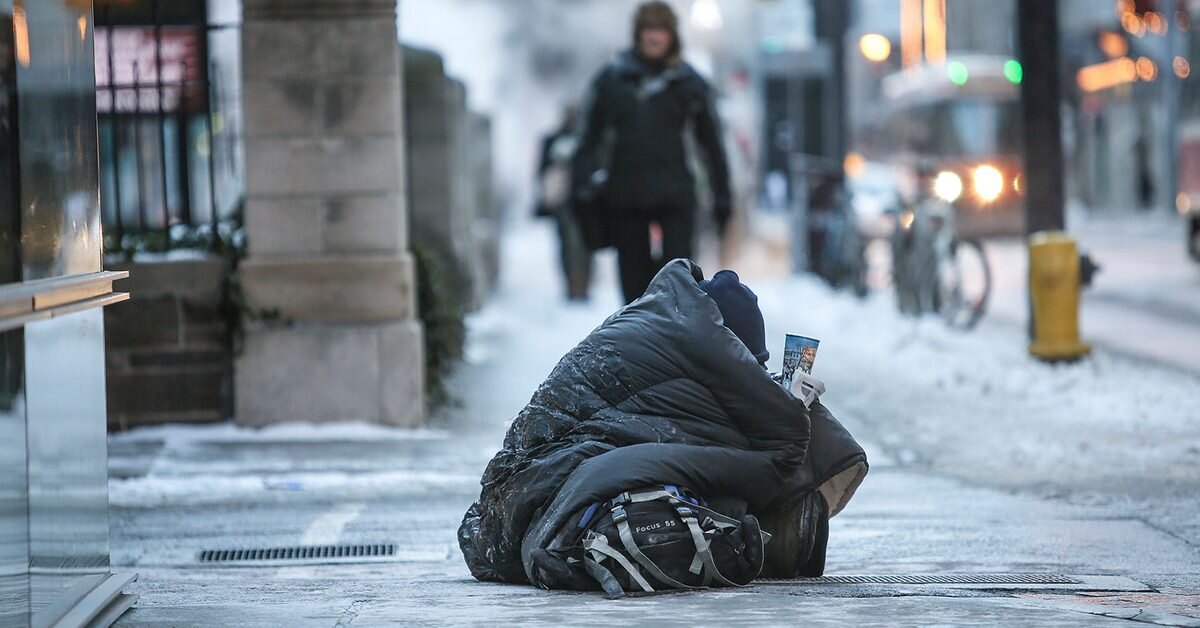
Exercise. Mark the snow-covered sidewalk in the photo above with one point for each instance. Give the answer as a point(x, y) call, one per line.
point(941, 403)
point(972, 405)
point(978, 400)
point(1144, 302)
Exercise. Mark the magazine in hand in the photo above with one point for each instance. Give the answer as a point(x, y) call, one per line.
point(799, 353)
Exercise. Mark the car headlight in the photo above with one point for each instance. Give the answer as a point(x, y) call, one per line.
point(947, 186)
point(988, 183)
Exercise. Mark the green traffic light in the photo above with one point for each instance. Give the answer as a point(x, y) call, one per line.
point(1013, 71)
point(957, 72)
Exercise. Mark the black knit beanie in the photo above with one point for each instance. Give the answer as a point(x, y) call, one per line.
point(739, 308)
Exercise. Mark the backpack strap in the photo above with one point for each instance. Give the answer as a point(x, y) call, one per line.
point(644, 496)
point(703, 552)
point(597, 545)
point(620, 518)
point(611, 587)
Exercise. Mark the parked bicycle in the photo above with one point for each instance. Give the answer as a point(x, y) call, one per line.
point(934, 270)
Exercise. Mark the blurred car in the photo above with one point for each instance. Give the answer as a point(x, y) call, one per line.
point(961, 119)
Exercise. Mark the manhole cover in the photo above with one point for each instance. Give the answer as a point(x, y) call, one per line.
point(1000, 578)
point(333, 553)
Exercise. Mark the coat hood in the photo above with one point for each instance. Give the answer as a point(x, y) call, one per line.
point(659, 15)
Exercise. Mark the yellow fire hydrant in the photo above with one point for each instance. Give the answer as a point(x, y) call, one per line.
point(1054, 286)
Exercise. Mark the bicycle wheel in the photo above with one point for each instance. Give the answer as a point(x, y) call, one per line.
point(964, 284)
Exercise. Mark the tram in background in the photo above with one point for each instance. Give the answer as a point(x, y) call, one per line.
point(961, 120)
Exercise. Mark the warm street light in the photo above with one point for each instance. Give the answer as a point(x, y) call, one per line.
point(911, 34)
point(1113, 44)
point(1146, 70)
point(935, 30)
point(1155, 23)
point(1100, 76)
point(1133, 24)
point(21, 36)
point(1181, 67)
point(875, 47)
point(854, 164)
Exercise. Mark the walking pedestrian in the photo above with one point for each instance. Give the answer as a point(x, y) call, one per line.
point(554, 201)
point(632, 163)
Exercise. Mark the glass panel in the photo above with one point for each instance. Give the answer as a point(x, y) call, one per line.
point(14, 512)
point(60, 206)
point(68, 478)
point(9, 229)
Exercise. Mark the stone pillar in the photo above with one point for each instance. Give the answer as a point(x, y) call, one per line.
point(439, 199)
point(487, 214)
point(328, 270)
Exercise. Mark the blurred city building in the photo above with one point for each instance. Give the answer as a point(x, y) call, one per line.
point(451, 208)
point(54, 526)
point(946, 94)
point(1122, 126)
point(267, 227)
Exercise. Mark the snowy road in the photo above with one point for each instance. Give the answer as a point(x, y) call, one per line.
point(1145, 301)
point(982, 462)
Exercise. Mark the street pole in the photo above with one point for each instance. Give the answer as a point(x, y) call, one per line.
point(1037, 35)
point(1174, 45)
point(1054, 267)
point(839, 21)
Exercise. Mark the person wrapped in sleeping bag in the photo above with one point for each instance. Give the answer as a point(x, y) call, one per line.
point(669, 390)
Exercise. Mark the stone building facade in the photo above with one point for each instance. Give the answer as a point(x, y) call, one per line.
point(328, 274)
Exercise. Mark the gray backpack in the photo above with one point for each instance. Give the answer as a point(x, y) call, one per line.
point(654, 539)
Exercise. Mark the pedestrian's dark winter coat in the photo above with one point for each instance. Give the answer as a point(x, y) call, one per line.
point(635, 117)
point(661, 393)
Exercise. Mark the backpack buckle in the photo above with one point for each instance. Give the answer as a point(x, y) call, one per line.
point(618, 514)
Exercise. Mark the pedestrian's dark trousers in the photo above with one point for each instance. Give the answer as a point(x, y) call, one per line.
point(574, 255)
point(636, 263)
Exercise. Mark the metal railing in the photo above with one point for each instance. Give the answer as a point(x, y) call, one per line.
point(166, 198)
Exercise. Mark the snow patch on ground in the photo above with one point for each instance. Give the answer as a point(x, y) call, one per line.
point(230, 432)
point(209, 489)
point(977, 400)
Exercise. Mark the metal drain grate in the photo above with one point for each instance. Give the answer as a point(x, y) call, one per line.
point(1002, 578)
point(300, 552)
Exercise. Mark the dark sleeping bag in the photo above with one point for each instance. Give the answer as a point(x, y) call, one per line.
point(660, 394)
